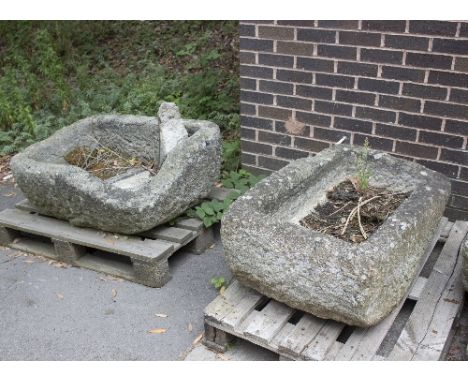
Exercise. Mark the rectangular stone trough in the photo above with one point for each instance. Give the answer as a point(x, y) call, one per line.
point(358, 284)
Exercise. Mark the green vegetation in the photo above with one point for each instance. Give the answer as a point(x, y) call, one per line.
point(54, 73)
point(363, 170)
point(218, 282)
point(240, 180)
point(212, 211)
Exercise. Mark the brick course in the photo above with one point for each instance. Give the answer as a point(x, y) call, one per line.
point(402, 84)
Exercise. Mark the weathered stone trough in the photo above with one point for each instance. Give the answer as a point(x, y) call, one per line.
point(186, 152)
point(359, 284)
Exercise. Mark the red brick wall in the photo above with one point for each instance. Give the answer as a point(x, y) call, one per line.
point(402, 84)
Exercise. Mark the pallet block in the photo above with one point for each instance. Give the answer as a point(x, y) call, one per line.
point(434, 302)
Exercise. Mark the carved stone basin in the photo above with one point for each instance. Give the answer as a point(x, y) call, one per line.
point(359, 284)
point(136, 200)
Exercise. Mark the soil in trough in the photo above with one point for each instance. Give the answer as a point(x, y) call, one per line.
point(353, 215)
point(106, 163)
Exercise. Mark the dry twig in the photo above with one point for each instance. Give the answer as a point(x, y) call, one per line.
point(361, 228)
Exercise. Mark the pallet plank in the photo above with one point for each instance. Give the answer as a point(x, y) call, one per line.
point(285, 332)
point(446, 230)
point(265, 324)
point(191, 224)
point(323, 341)
point(240, 311)
point(332, 353)
point(417, 288)
point(228, 302)
point(369, 340)
point(173, 234)
point(446, 310)
point(418, 324)
point(58, 229)
point(304, 332)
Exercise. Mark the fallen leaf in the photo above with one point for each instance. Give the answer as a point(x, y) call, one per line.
point(114, 294)
point(162, 315)
point(60, 296)
point(198, 339)
point(222, 290)
point(157, 331)
point(29, 261)
point(189, 327)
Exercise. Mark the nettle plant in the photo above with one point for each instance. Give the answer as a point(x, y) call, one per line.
point(212, 211)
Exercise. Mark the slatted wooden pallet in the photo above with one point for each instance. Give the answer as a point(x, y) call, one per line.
point(141, 258)
point(419, 329)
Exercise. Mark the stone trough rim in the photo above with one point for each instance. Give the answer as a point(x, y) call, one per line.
point(414, 194)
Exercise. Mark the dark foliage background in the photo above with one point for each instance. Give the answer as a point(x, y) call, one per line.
point(56, 72)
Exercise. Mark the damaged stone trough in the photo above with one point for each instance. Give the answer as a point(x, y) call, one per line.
point(186, 153)
point(356, 283)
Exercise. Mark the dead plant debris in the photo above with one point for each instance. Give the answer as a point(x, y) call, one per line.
point(352, 215)
point(105, 163)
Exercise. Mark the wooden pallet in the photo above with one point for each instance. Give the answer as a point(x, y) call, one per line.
point(419, 329)
point(141, 258)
